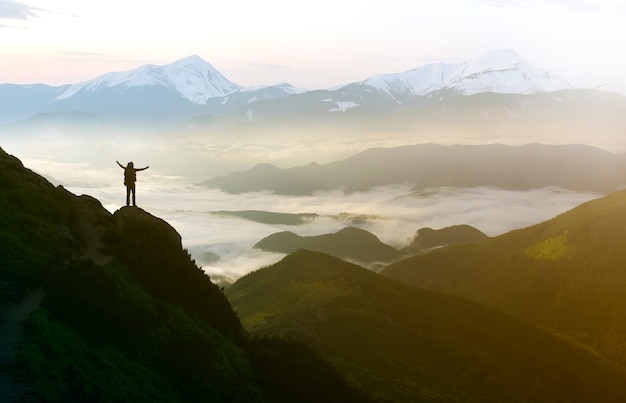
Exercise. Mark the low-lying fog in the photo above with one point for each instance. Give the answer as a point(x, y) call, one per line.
point(223, 245)
point(391, 213)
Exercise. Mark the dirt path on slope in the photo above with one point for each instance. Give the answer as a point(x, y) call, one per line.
point(91, 221)
point(11, 318)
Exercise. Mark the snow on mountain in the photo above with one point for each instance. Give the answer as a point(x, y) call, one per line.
point(617, 89)
point(284, 87)
point(192, 87)
point(192, 77)
point(500, 71)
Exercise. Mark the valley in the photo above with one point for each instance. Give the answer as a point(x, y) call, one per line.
point(448, 233)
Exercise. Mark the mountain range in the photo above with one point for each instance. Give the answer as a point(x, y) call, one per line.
point(192, 91)
point(564, 276)
point(363, 247)
point(575, 167)
point(350, 243)
point(118, 310)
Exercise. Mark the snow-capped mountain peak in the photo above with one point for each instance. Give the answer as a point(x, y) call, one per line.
point(501, 59)
point(285, 87)
point(499, 71)
point(192, 77)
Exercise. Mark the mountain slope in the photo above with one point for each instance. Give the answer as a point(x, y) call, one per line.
point(405, 344)
point(127, 314)
point(566, 274)
point(525, 167)
point(21, 101)
point(349, 243)
point(149, 93)
point(427, 238)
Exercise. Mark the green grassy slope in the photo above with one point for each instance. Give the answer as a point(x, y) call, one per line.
point(426, 238)
point(349, 243)
point(567, 274)
point(127, 314)
point(405, 344)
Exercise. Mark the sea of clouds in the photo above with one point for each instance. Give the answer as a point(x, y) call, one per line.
point(392, 213)
point(223, 245)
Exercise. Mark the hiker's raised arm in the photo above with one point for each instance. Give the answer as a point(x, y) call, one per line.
point(142, 169)
point(121, 166)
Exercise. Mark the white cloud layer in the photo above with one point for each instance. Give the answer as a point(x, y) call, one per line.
point(395, 213)
point(85, 164)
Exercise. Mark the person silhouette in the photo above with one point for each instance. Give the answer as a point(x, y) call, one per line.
point(130, 177)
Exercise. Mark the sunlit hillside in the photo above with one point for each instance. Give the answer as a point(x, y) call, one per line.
point(406, 344)
point(566, 275)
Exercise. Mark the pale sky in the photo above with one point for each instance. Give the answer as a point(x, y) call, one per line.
point(309, 44)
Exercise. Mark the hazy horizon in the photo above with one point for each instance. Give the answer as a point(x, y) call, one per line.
point(85, 164)
point(394, 213)
point(64, 42)
point(270, 42)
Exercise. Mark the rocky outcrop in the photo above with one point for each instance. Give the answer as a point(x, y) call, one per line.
point(132, 223)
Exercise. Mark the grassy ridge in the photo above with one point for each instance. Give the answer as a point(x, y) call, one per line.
point(348, 243)
point(566, 274)
point(405, 344)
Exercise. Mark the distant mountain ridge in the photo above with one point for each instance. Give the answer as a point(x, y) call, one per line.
point(350, 243)
point(427, 238)
point(575, 167)
point(358, 245)
point(174, 91)
point(192, 77)
point(500, 71)
point(192, 87)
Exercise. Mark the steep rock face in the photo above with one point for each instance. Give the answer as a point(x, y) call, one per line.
point(130, 222)
point(153, 250)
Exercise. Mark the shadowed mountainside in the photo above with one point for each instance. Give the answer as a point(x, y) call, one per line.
point(349, 243)
point(127, 314)
point(566, 274)
point(427, 238)
point(575, 167)
point(405, 344)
